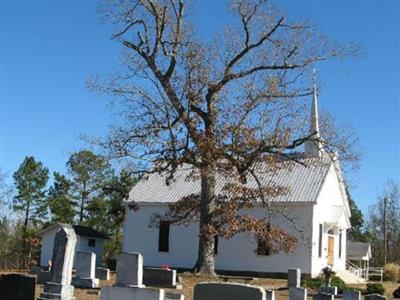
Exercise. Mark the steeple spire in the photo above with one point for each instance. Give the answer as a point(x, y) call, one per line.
point(314, 146)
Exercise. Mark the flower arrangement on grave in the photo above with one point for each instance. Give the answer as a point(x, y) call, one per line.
point(165, 267)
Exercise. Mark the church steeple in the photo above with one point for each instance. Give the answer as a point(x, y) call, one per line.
point(314, 147)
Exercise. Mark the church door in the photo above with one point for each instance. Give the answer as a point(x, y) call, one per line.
point(331, 246)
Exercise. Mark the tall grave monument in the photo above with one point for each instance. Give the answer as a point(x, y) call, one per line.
point(60, 287)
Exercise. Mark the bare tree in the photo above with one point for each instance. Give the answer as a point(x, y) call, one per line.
point(223, 106)
point(383, 224)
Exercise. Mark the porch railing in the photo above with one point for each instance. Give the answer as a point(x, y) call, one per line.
point(365, 273)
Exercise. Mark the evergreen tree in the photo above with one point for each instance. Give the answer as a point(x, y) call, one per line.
point(116, 190)
point(356, 232)
point(30, 181)
point(88, 172)
point(60, 200)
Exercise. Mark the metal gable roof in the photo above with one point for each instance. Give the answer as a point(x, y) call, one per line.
point(303, 181)
point(358, 250)
point(79, 230)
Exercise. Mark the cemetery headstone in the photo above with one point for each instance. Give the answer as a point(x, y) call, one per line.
point(129, 282)
point(231, 291)
point(352, 295)
point(85, 270)
point(61, 274)
point(103, 273)
point(130, 270)
point(159, 277)
point(294, 278)
point(128, 293)
point(17, 287)
point(297, 294)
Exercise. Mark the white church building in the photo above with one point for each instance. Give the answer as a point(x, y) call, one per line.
point(316, 211)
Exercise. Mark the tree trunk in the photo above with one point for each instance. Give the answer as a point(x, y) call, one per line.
point(24, 228)
point(205, 260)
point(83, 198)
point(81, 212)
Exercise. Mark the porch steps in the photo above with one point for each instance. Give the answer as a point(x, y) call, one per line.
point(350, 278)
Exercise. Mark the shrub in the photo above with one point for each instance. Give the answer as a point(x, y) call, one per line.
point(374, 288)
point(315, 283)
point(396, 293)
point(392, 272)
point(385, 277)
point(340, 284)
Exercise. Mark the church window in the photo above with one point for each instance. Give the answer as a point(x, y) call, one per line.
point(163, 238)
point(91, 243)
point(320, 241)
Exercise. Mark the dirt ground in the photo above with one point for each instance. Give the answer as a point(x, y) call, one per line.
point(189, 280)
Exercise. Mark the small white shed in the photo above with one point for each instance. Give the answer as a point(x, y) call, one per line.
point(88, 239)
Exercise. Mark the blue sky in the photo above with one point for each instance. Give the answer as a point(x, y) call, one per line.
point(50, 48)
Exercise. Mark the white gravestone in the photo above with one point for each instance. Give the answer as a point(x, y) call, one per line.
point(85, 270)
point(130, 270)
point(129, 281)
point(60, 287)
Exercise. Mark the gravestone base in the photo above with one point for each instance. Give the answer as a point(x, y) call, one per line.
point(86, 283)
point(52, 290)
point(126, 293)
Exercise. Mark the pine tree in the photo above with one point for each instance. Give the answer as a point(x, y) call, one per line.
point(116, 190)
point(60, 200)
point(356, 232)
point(88, 172)
point(30, 181)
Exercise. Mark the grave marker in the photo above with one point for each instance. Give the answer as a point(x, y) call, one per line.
point(85, 270)
point(294, 277)
point(231, 291)
point(61, 274)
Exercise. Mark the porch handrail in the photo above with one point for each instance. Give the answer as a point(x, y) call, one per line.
point(365, 273)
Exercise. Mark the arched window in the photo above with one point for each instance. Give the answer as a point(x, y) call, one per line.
point(331, 231)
